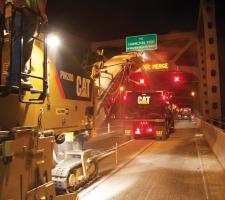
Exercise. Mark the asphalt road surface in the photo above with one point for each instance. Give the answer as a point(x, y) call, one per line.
point(181, 168)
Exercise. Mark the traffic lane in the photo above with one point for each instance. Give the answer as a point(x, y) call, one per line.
point(122, 156)
point(111, 126)
point(185, 124)
point(183, 167)
point(106, 141)
point(114, 162)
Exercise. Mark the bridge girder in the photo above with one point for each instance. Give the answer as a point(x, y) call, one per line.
point(190, 37)
point(201, 44)
point(210, 99)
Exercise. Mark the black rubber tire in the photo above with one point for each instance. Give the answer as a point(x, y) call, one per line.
point(158, 138)
point(172, 130)
point(60, 138)
point(164, 137)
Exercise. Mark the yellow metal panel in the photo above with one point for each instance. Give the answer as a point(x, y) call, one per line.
point(14, 113)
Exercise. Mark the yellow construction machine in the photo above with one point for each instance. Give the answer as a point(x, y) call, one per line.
point(42, 128)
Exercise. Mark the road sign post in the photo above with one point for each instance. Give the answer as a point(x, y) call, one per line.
point(141, 42)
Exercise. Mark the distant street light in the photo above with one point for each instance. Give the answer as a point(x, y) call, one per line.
point(193, 94)
point(121, 88)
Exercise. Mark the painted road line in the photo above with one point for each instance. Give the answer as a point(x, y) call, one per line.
point(205, 186)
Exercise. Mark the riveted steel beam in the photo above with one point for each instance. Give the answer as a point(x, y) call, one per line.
point(210, 63)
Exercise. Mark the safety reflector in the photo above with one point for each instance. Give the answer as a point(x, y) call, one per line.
point(159, 133)
point(127, 132)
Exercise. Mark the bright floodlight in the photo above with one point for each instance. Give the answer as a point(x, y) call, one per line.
point(53, 40)
point(145, 57)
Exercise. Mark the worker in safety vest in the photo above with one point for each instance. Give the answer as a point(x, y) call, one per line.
point(2, 4)
point(34, 13)
point(1, 8)
point(1, 26)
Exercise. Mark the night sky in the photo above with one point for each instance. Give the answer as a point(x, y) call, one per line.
point(98, 20)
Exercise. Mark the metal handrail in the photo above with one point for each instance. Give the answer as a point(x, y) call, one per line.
point(1, 46)
point(43, 92)
point(108, 152)
point(32, 76)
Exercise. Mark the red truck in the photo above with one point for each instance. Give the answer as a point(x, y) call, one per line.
point(147, 114)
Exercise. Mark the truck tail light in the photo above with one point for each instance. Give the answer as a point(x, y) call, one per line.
point(137, 131)
point(150, 130)
point(142, 81)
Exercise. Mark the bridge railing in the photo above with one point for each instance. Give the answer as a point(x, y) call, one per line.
point(219, 124)
point(216, 139)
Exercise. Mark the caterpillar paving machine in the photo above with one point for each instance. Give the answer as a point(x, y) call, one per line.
point(42, 128)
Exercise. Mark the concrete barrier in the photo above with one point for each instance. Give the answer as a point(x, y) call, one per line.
point(216, 139)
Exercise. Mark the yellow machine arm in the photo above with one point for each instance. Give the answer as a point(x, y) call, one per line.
point(110, 76)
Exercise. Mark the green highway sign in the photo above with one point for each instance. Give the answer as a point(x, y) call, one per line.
point(141, 42)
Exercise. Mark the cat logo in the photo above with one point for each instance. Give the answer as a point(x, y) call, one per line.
point(143, 99)
point(83, 87)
